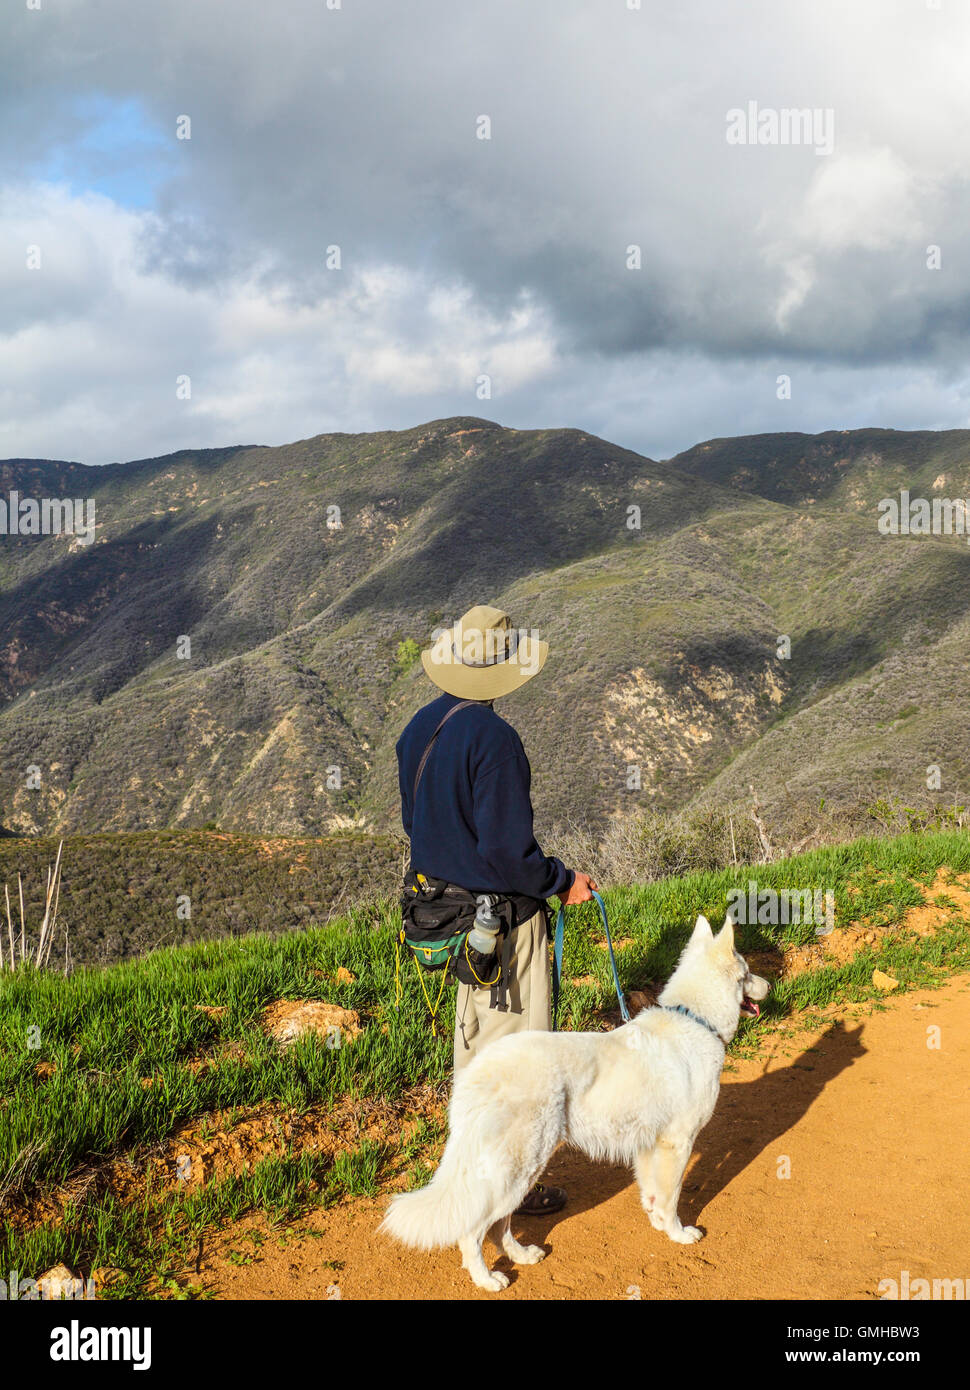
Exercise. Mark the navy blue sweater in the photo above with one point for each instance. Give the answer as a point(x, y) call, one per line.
point(473, 821)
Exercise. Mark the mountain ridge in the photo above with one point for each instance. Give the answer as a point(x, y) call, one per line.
point(664, 636)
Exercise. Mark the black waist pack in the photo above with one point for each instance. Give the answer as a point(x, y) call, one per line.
point(436, 917)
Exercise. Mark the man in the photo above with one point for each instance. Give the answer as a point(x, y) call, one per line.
point(470, 823)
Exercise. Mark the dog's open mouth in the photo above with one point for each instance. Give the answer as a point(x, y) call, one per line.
point(750, 1008)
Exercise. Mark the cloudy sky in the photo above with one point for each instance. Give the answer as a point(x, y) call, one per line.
point(130, 258)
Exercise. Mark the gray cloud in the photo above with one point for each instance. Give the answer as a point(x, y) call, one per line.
point(313, 127)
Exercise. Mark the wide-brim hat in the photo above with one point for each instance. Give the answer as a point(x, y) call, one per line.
point(483, 656)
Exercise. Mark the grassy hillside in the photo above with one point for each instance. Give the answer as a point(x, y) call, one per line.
point(664, 639)
point(111, 1079)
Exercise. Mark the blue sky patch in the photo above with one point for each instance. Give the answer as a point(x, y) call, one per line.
point(114, 148)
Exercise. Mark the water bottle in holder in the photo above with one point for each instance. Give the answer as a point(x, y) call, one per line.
point(483, 936)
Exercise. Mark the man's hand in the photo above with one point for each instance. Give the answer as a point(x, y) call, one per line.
point(580, 891)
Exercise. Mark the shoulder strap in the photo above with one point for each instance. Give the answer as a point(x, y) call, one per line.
point(431, 742)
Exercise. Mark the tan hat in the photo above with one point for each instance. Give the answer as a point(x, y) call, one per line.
point(483, 656)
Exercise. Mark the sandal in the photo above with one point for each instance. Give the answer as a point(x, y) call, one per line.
point(542, 1201)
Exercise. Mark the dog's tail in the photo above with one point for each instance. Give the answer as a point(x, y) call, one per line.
point(453, 1205)
point(460, 1198)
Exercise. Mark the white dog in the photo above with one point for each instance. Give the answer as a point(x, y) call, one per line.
point(638, 1095)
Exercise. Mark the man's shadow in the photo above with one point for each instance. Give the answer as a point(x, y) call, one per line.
point(749, 1117)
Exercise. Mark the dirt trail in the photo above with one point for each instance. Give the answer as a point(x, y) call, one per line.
point(874, 1124)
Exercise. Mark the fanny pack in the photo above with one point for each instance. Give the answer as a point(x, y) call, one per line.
point(436, 918)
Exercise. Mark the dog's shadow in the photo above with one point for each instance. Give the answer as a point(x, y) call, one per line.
point(750, 1116)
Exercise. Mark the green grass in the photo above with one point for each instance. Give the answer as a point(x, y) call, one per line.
point(105, 1032)
point(887, 876)
point(152, 1242)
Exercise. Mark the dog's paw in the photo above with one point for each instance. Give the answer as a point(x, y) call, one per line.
point(687, 1235)
point(530, 1255)
point(657, 1222)
point(494, 1282)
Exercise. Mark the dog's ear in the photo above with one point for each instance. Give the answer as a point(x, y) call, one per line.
point(702, 934)
point(725, 937)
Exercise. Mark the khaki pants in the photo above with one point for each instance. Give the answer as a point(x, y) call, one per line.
point(528, 996)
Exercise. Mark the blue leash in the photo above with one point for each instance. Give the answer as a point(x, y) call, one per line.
point(557, 963)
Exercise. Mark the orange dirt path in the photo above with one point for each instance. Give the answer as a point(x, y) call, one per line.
point(873, 1123)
